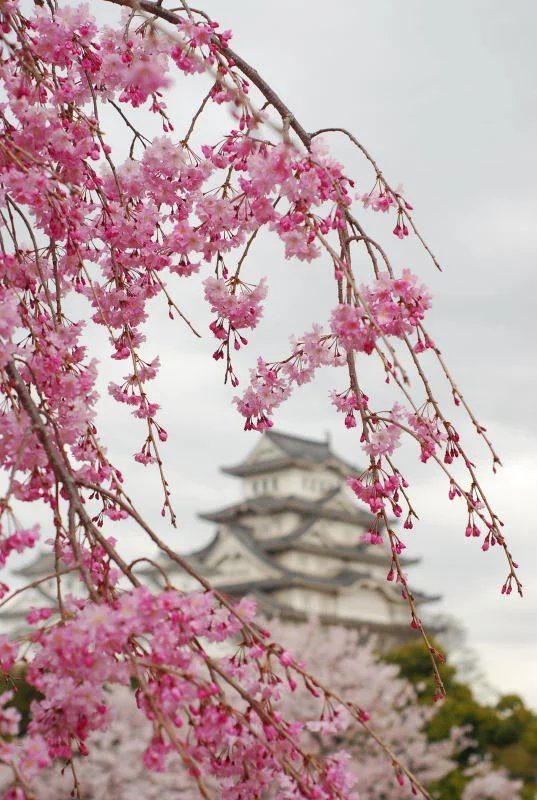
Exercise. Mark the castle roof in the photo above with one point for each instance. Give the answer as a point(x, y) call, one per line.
point(42, 565)
point(274, 608)
point(361, 552)
point(316, 509)
point(264, 548)
point(288, 450)
point(293, 551)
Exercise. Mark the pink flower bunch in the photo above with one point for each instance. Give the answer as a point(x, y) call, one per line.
point(397, 305)
point(8, 652)
point(428, 434)
point(383, 440)
point(9, 321)
point(86, 652)
point(371, 536)
point(22, 539)
point(493, 785)
point(271, 384)
point(9, 717)
point(383, 198)
point(347, 403)
point(153, 639)
point(378, 200)
point(392, 307)
point(353, 328)
point(376, 491)
point(400, 230)
point(114, 765)
point(198, 45)
point(237, 306)
point(267, 390)
point(306, 183)
point(312, 351)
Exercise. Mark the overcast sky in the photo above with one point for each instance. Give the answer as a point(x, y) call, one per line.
point(443, 96)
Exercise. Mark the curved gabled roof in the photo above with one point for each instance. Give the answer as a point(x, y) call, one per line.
point(43, 564)
point(274, 608)
point(257, 549)
point(360, 552)
point(261, 550)
point(293, 451)
point(300, 447)
point(266, 504)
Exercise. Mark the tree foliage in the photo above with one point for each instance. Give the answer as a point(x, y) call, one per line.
point(345, 657)
point(505, 732)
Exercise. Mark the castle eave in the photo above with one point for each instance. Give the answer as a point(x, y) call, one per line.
point(250, 469)
point(265, 504)
point(43, 564)
point(294, 580)
point(293, 451)
point(273, 608)
point(360, 553)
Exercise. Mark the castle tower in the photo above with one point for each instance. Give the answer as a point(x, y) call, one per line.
point(293, 541)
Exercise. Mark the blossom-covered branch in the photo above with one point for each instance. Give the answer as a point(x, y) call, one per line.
point(112, 227)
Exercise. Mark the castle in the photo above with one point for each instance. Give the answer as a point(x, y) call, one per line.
point(292, 541)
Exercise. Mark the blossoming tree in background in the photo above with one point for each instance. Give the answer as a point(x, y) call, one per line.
point(113, 228)
point(340, 657)
point(115, 766)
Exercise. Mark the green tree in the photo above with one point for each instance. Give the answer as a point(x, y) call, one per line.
point(23, 693)
point(506, 731)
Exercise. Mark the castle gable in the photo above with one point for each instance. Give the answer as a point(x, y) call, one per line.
point(235, 557)
point(275, 450)
point(340, 501)
point(265, 450)
point(293, 541)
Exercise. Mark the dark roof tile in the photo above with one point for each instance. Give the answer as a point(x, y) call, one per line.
point(265, 504)
point(295, 450)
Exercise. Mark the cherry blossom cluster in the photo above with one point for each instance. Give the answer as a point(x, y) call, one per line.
point(154, 641)
point(383, 198)
point(17, 542)
point(347, 403)
point(115, 765)
point(376, 493)
point(390, 307)
point(271, 384)
point(237, 306)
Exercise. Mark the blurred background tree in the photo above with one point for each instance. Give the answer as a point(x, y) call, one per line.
point(505, 731)
point(460, 748)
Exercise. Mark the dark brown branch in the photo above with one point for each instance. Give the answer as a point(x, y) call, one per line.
point(252, 74)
